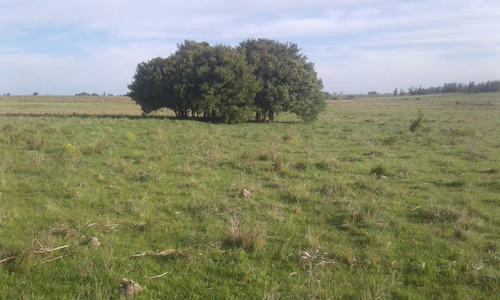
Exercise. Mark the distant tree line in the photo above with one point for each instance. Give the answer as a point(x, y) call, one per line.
point(93, 94)
point(491, 86)
point(258, 79)
point(337, 96)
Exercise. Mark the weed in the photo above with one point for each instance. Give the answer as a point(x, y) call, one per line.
point(95, 148)
point(379, 170)
point(279, 163)
point(374, 185)
point(8, 128)
point(391, 140)
point(264, 157)
point(455, 183)
point(334, 188)
point(35, 144)
point(435, 215)
point(247, 239)
point(323, 166)
point(301, 166)
point(416, 124)
point(289, 138)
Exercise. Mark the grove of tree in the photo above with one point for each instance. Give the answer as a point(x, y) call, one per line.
point(490, 86)
point(260, 78)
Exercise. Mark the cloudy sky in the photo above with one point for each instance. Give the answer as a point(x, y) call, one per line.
point(62, 47)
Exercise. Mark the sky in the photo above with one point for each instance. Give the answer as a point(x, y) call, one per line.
point(61, 47)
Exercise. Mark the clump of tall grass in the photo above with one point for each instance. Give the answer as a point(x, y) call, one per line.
point(334, 188)
point(70, 149)
point(416, 124)
point(433, 215)
point(323, 166)
point(35, 144)
point(391, 140)
point(247, 239)
point(95, 148)
point(9, 127)
point(289, 138)
point(379, 170)
point(279, 163)
point(301, 166)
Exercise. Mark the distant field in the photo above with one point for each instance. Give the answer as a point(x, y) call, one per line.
point(354, 205)
point(67, 105)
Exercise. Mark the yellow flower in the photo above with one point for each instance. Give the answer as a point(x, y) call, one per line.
point(70, 148)
point(130, 135)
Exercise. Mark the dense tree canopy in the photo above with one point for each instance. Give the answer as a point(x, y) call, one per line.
point(287, 82)
point(224, 84)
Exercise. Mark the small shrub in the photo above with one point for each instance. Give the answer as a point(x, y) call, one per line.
point(379, 170)
point(94, 148)
point(279, 163)
point(263, 157)
point(391, 140)
point(418, 122)
point(301, 166)
point(70, 149)
point(289, 138)
point(492, 171)
point(323, 166)
point(455, 184)
point(35, 144)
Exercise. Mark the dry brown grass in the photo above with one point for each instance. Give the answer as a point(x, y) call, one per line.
point(248, 239)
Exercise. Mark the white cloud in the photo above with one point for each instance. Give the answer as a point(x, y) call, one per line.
point(356, 45)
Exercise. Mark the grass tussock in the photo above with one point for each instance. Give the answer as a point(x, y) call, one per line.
point(434, 215)
point(379, 170)
point(336, 187)
point(391, 140)
point(248, 239)
point(34, 143)
point(417, 123)
point(97, 147)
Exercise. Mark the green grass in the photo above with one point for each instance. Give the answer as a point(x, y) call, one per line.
point(354, 205)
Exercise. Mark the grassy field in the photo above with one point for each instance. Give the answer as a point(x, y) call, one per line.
point(354, 205)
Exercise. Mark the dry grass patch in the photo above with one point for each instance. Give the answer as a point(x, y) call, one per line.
point(248, 239)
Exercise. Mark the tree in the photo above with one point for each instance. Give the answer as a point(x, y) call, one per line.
point(184, 80)
point(197, 79)
point(147, 89)
point(307, 100)
point(471, 87)
point(287, 82)
point(226, 84)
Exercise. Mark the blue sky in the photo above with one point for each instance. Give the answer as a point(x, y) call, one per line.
point(65, 47)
